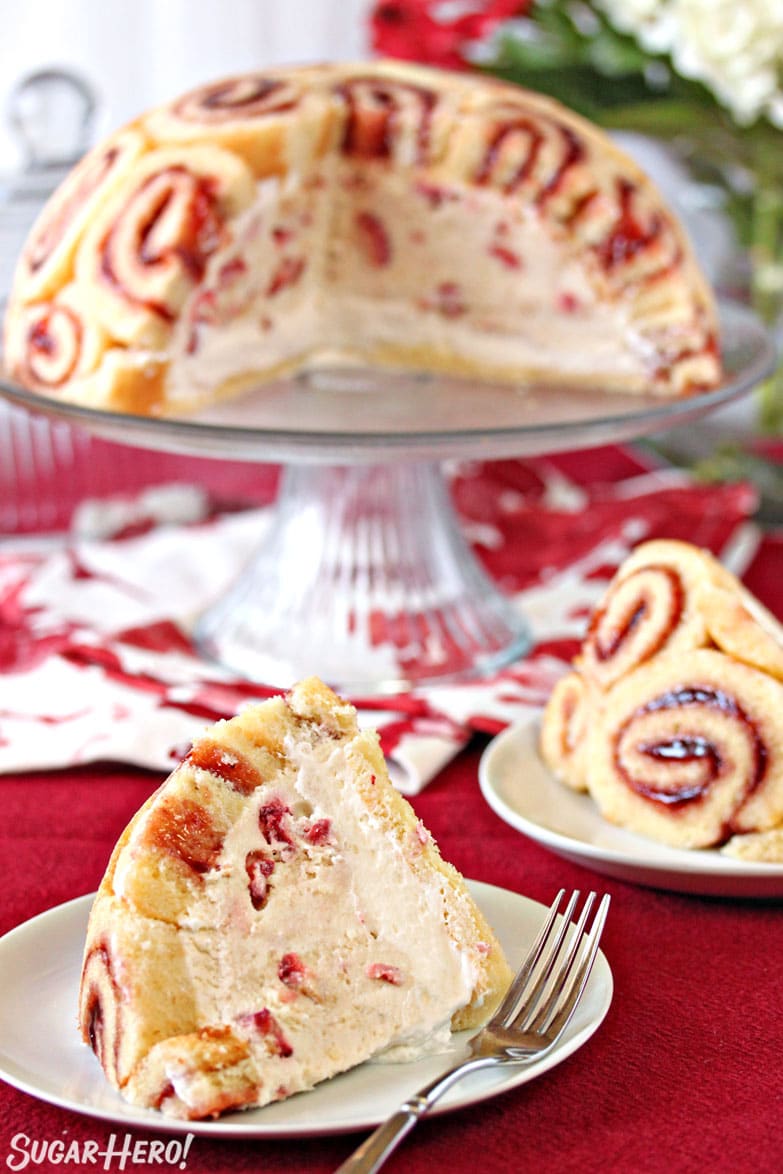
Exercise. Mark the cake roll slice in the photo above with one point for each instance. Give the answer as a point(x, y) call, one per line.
point(571, 708)
point(689, 750)
point(756, 847)
point(654, 604)
point(671, 714)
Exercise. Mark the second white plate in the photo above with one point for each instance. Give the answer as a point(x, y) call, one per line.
point(41, 1053)
point(520, 788)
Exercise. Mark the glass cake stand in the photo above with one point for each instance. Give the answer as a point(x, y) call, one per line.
point(364, 576)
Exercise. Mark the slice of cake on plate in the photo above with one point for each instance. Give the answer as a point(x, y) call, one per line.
point(275, 914)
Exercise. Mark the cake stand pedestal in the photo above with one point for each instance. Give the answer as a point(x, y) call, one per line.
point(365, 579)
point(363, 575)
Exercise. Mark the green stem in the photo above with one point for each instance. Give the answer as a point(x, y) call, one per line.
point(767, 254)
point(766, 247)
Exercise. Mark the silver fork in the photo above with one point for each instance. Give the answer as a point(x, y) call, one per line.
point(534, 1014)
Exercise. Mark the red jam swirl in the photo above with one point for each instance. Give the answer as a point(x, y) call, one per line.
point(628, 235)
point(97, 969)
point(573, 154)
point(685, 747)
point(606, 638)
point(171, 221)
point(529, 139)
point(53, 346)
point(253, 96)
point(504, 134)
point(376, 111)
point(54, 225)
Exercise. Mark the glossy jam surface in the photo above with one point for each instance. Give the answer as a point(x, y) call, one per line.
point(687, 747)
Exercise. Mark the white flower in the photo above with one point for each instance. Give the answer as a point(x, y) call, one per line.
point(651, 22)
point(734, 48)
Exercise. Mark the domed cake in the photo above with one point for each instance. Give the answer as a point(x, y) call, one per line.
point(378, 213)
point(274, 915)
point(672, 714)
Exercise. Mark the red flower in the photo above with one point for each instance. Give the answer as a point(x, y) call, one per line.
point(437, 32)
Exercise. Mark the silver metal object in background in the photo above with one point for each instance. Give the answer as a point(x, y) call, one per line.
point(52, 114)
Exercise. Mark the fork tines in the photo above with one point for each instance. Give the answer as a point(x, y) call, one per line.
point(552, 977)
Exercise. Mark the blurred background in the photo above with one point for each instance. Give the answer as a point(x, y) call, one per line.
point(136, 55)
point(701, 112)
point(69, 73)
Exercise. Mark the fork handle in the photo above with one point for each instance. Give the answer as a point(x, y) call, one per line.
point(375, 1149)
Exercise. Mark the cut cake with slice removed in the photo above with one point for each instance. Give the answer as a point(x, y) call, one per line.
point(376, 213)
point(275, 914)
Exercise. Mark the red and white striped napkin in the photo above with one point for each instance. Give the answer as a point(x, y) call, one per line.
point(97, 663)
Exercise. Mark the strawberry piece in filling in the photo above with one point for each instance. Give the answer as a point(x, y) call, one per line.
point(264, 1023)
point(383, 972)
point(291, 971)
point(271, 818)
point(373, 239)
point(319, 831)
point(259, 868)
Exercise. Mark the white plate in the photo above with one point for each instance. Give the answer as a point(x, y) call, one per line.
point(521, 789)
point(41, 1053)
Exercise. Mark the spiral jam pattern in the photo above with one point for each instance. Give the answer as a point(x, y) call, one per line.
point(638, 616)
point(678, 762)
point(518, 204)
point(53, 345)
point(99, 1011)
point(632, 233)
point(628, 240)
point(680, 703)
point(247, 97)
point(53, 225)
point(381, 115)
point(523, 152)
point(564, 736)
point(686, 751)
point(169, 228)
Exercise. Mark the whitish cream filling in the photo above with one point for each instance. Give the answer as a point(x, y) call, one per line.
point(384, 270)
point(350, 908)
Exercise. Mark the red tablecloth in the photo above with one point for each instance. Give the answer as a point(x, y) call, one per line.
point(683, 1075)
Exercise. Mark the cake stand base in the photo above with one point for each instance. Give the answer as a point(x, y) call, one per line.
point(365, 577)
point(366, 580)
